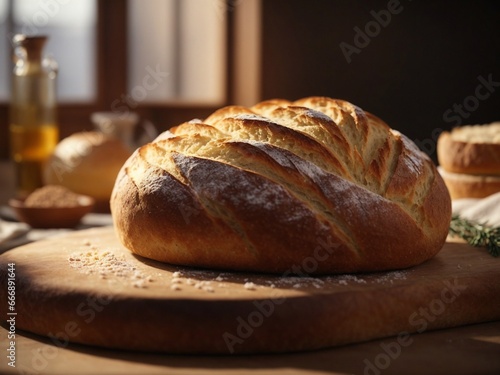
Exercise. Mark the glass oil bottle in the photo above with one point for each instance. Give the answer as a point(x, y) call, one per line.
point(34, 132)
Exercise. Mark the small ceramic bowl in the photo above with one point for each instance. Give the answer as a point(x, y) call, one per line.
point(52, 217)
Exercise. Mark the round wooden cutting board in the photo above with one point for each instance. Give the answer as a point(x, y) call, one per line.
point(85, 287)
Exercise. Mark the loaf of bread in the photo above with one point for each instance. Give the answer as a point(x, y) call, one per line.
point(471, 149)
point(463, 185)
point(469, 158)
point(314, 186)
point(87, 163)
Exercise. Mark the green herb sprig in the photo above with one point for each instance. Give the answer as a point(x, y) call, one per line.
point(476, 234)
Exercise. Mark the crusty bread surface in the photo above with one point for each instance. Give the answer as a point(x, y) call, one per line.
point(313, 186)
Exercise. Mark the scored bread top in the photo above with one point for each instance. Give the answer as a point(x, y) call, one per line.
point(261, 188)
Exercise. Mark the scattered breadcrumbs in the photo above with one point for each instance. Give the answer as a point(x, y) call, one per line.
point(108, 266)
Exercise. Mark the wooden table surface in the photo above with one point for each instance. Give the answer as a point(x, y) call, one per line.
point(472, 349)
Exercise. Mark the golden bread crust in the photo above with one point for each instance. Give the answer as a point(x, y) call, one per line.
point(316, 184)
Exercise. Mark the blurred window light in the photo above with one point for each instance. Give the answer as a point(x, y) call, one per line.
point(176, 48)
point(5, 49)
point(71, 30)
point(71, 27)
point(177, 51)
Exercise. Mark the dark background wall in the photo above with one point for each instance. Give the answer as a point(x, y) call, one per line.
point(411, 73)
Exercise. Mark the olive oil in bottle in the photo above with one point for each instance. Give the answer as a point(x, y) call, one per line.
point(33, 125)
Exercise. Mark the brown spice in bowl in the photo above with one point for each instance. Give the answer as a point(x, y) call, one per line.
point(53, 196)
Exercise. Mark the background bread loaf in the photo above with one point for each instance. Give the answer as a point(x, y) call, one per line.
point(317, 183)
point(463, 185)
point(87, 163)
point(471, 149)
point(469, 157)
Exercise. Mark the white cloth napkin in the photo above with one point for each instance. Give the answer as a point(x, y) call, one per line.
point(11, 230)
point(485, 210)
